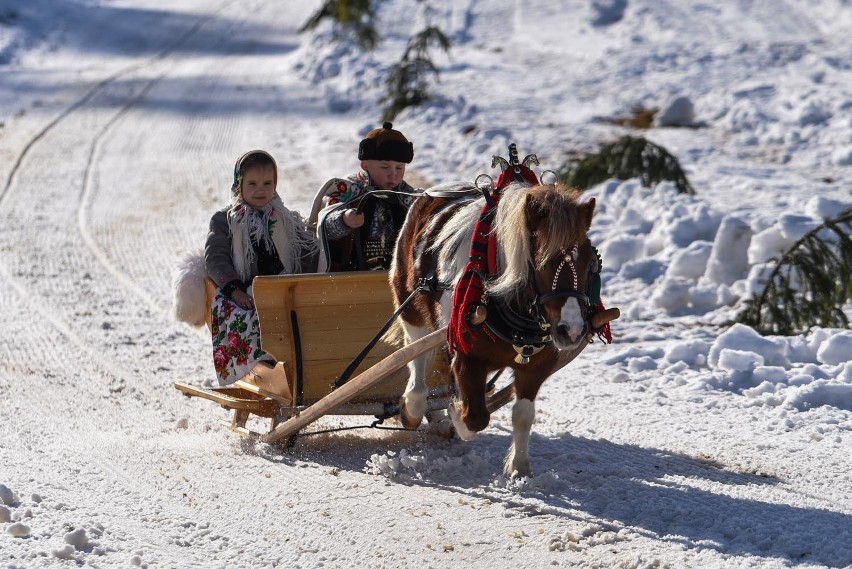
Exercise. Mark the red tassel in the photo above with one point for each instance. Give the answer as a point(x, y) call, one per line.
point(605, 331)
point(466, 296)
point(468, 292)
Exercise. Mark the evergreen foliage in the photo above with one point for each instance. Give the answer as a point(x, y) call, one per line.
point(628, 157)
point(809, 284)
point(408, 80)
point(348, 16)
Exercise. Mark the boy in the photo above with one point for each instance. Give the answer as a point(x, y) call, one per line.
point(364, 212)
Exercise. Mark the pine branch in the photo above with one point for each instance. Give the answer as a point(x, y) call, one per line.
point(809, 284)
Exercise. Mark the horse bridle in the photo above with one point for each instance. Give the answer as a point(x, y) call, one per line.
point(568, 259)
point(529, 334)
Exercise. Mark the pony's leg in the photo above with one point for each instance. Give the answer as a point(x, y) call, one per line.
point(469, 414)
point(412, 404)
point(439, 423)
point(517, 463)
point(528, 381)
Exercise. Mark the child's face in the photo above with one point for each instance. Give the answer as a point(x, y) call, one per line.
point(385, 174)
point(258, 185)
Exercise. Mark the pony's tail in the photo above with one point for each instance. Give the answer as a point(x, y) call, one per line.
point(190, 300)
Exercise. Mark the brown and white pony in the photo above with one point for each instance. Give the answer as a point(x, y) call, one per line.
point(536, 301)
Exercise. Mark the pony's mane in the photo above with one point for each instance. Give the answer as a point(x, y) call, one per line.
point(554, 206)
point(552, 210)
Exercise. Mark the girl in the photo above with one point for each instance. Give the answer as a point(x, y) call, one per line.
point(254, 235)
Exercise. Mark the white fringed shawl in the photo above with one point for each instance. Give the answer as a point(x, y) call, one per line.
point(274, 224)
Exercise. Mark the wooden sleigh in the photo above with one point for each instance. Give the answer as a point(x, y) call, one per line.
point(316, 325)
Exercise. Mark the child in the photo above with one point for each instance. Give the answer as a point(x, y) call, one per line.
point(358, 233)
point(254, 235)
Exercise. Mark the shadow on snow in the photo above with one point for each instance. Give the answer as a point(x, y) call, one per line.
point(652, 491)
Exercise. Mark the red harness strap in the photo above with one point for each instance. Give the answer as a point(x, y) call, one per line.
point(468, 291)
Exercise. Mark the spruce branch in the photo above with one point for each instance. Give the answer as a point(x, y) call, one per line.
point(348, 16)
point(809, 284)
point(628, 157)
point(408, 80)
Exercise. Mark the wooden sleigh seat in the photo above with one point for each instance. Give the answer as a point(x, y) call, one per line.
point(317, 323)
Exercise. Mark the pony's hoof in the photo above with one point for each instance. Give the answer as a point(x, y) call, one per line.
point(440, 425)
point(408, 421)
point(464, 433)
point(412, 407)
point(516, 473)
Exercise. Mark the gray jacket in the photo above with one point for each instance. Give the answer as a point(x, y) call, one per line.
point(217, 251)
point(220, 264)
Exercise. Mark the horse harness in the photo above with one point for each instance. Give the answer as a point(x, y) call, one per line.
point(523, 326)
point(528, 330)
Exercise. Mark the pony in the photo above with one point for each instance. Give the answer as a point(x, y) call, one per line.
point(525, 313)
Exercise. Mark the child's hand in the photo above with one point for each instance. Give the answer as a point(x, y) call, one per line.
point(242, 299)
point(352, 218)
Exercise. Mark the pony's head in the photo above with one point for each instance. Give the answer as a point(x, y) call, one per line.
point(545, 255)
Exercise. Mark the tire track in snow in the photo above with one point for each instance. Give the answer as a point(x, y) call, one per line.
point(36, 306)
point(177, 163)
point(94, 375)
point(98, 88)
point(98, 140)
point(98, 439)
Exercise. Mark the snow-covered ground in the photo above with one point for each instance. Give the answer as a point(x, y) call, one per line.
point(688, 442)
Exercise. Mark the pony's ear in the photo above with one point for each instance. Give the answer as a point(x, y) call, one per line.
point(587, 211)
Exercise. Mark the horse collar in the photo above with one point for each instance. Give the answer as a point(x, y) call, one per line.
point(526, 334)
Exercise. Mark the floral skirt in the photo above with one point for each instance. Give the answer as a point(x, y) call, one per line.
point(236, 339)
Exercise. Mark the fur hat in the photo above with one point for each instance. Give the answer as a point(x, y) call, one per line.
point(386, 144)
point(246, 161)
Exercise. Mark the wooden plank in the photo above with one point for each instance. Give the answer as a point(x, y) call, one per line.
point(347, 297)
point(357, 385)
point(319, 345)
point(319, 348)
point(327, 288)
point(337, 313)
point(330, 317)
point(333, 329)
point(232, 398)
point(389, 389)
point(348, 328)
point(209, 294)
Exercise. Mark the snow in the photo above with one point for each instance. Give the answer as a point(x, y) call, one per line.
point(688, 442)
